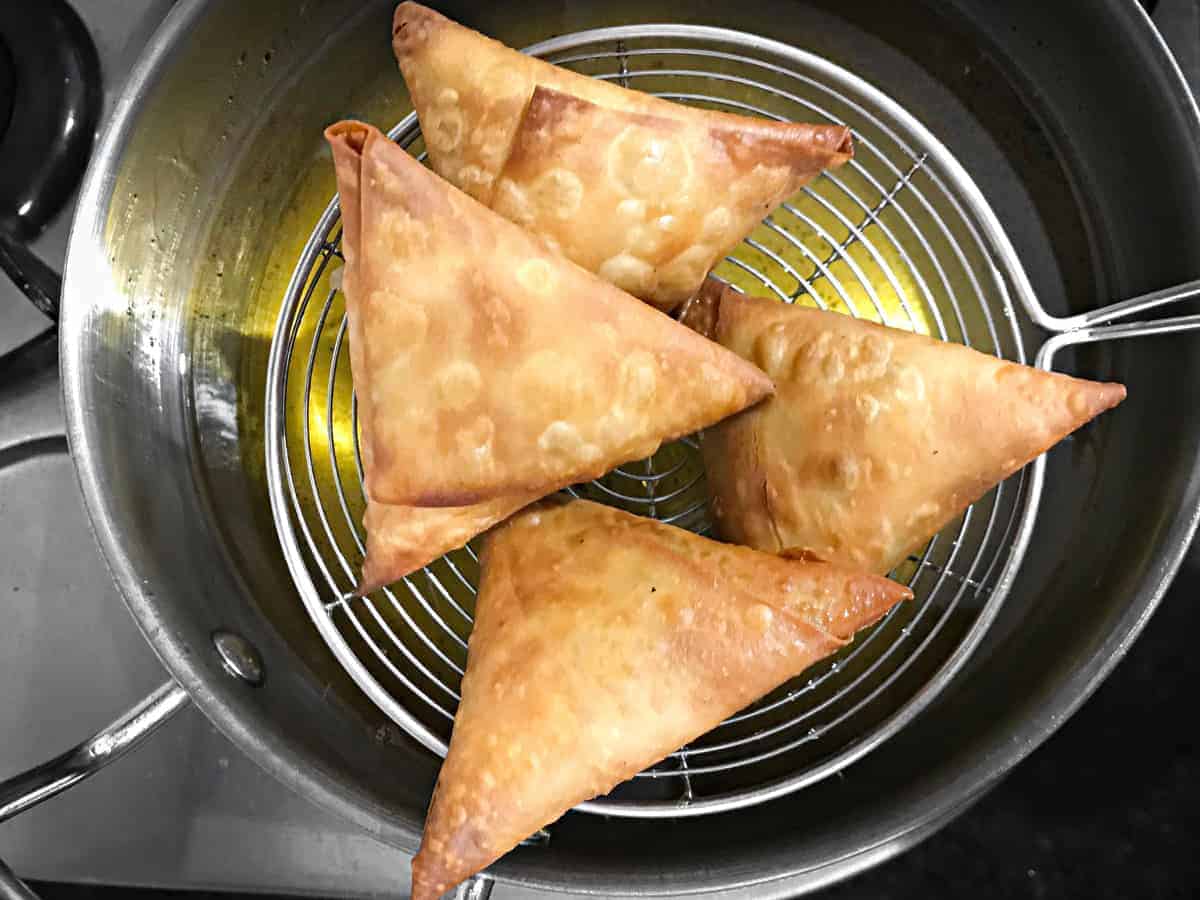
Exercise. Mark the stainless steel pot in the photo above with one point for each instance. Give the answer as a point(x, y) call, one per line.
point(201, 197)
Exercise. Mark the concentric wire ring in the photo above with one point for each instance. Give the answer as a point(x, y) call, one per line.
point(893, 236)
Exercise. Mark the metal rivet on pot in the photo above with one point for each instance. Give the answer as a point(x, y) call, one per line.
point(239, 656)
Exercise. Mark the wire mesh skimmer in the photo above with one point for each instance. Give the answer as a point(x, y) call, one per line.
point(899, 235)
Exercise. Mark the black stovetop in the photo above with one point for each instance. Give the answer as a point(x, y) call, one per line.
point(1108, 808)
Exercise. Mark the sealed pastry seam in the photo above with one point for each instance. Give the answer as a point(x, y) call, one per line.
point(602, 642)
point(580, 377)
point(876, 437)
point(644, 192)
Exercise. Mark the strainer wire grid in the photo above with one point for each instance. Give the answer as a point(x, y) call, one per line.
point(973, 561)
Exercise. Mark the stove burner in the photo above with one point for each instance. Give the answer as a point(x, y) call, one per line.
point(50, 67)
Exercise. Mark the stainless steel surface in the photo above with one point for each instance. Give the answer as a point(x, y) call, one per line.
point(19, 321)
point(26, 790)
point(475, 889)
point(11, 887)
point(1097, 326)
point(228, 808)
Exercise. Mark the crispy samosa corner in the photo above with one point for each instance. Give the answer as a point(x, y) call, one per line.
point(604, 641)
point(647, 193)
point(876, 438)
point(486, 365)
point(402, 539)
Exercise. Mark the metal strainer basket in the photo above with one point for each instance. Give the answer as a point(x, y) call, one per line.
point(899, 235)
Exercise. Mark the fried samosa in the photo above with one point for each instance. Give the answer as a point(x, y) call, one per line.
point(604, 641)
point(876, 437)
point(402, 539)
point(486, 365)
point(647, 193)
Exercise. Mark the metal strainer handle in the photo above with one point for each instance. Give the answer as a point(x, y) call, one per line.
point(1097, 325)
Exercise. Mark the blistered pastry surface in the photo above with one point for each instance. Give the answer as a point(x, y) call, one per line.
point(647, 193)
point(602, 642)
point(876, 437)
point(487, 364)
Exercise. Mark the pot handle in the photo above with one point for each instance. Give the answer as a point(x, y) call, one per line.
point(12, 887)
point(31, 787)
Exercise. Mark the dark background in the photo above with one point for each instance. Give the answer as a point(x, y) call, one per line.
point(1107, 808)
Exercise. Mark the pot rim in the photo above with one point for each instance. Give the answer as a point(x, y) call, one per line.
point(86, 256)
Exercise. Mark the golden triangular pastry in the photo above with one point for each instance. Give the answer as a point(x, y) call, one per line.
point(876, 437)
point(402, 539)
point(604, 641)
point(486, 365)
point(647, 202)
point(647, 193)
